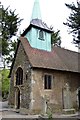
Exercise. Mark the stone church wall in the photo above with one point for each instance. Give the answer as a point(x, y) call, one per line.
point(33, 96)
point(54, 96)
point(22, 61)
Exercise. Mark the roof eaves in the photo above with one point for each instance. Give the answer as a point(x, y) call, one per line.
point(14, 59)
point(55, 69)
point(26, 54)
point(36, 26)
point(26, 30)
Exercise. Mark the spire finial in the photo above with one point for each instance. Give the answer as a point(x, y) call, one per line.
point(36, 14)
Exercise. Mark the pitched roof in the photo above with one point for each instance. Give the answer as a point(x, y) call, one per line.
point(57, 59)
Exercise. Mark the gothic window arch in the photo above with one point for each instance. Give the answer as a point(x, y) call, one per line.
point(19, 76)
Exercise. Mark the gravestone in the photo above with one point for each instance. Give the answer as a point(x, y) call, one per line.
point(67, 97)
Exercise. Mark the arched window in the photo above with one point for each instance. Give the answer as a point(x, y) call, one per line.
point(19, 76)
point(41, 34)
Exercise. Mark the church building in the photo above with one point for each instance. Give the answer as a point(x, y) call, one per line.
point(43, 77)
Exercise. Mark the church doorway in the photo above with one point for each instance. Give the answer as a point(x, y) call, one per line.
point(79, 98)
point(17, 98)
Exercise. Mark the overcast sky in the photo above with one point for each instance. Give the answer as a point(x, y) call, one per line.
point(54, 12)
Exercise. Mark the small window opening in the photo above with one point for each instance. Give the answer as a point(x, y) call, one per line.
point(41, 35)
point(47, 81)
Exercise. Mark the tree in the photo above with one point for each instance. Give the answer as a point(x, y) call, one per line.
point(55, 38)
point(0, 29)
point(10, 23)
point(4, 82)
point(73, 22)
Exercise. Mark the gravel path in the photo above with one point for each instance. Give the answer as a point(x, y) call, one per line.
point(5, 112)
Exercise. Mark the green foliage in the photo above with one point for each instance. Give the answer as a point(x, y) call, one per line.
point(13, 46)
point(0, 45)
point(10, 23)
point(0, 81)
point(49, 115)
point(4, 82)
point(55, 38)
point(73, 22)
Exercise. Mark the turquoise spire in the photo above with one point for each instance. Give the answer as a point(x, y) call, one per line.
point(38, 34)
point(36, 14)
